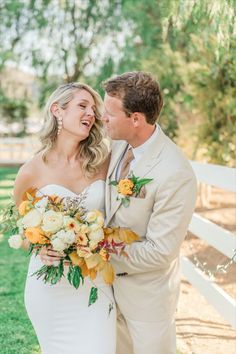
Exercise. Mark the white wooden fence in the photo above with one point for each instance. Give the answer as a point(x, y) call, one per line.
point(221, 239)
point(15, 151)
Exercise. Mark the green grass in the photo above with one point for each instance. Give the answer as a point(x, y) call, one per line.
point(16, 333)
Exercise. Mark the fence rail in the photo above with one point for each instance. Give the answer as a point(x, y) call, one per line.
point(221, 239)
point(15, 151)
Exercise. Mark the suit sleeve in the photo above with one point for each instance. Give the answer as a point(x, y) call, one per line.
point(166, 230)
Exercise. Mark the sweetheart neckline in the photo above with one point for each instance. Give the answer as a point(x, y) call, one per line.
point(77, 194)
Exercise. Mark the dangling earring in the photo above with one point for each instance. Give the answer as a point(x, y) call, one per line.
point(59, 125)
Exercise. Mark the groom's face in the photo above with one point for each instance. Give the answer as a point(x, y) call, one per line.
point(117, 124)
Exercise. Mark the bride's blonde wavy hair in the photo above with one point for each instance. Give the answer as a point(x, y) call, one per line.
point(92, 151)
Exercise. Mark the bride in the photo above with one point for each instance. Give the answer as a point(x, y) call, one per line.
point(72, 163)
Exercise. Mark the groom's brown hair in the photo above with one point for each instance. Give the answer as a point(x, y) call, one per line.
point(139, 92)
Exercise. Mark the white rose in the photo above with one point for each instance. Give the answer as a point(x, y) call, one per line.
point(32, 219)
point(97, 235)
point(42, 204)
point(15, 241)
point(58, 245)
point(67, 237)
point(94, 227)
point(52, 221)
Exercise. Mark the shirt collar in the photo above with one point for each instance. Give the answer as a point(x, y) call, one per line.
point(138, 151)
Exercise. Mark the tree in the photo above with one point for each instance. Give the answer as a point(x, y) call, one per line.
point(64, 41)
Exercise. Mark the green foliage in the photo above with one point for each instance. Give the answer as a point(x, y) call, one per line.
point(13, 110)
point(214, 95)
point(189, 47)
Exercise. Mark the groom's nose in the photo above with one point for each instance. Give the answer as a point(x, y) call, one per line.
point(104, 117)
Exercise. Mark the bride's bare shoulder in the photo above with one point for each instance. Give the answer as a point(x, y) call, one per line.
point(27, 176)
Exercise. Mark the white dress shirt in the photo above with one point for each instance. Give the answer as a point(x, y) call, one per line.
point(138, 151)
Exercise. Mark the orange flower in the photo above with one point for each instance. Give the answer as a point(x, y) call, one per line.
point(81, 239)
point(125, 187)
point(35, 235)
point(24, 207)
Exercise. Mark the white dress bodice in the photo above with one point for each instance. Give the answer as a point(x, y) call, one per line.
point(92, 197)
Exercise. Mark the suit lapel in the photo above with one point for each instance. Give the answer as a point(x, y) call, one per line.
point(144, 166)
point(111, 202)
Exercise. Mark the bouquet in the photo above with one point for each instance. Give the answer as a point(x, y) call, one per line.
point(77, 234)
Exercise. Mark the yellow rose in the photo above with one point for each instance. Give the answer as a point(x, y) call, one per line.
point(94, 215)
point(125, 187)
point(24, 207)
point(35, 235)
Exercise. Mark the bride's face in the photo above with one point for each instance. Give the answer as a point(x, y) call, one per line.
point(79, 115)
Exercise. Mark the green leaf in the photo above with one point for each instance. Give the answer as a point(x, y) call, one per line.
point(125, 202)
point(93, 295)
point(75, 276)
point(144, 181)
point(50, 274)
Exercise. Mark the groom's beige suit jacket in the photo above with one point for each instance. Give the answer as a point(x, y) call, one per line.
point(149, 291)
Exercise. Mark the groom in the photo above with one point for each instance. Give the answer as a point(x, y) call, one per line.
point(147, 285)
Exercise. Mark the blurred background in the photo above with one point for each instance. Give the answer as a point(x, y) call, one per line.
point(190, 47)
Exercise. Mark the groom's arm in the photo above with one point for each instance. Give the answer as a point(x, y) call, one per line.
point(167, 227)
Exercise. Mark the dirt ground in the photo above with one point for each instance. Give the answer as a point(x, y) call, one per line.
point(200, 329)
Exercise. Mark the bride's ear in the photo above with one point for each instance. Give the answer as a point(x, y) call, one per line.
point(55, 110)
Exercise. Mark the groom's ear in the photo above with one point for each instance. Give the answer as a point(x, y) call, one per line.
point(137, 118)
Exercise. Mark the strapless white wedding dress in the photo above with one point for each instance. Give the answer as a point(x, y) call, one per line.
point(63, 322)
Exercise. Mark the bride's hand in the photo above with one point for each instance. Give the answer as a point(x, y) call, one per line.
point(49, 257)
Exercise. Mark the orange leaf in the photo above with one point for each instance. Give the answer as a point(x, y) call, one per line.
point(128, 236)
point(93, 261)
point(108, 273)
point(31, 191)
point(75, 259)
point(92, 274)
